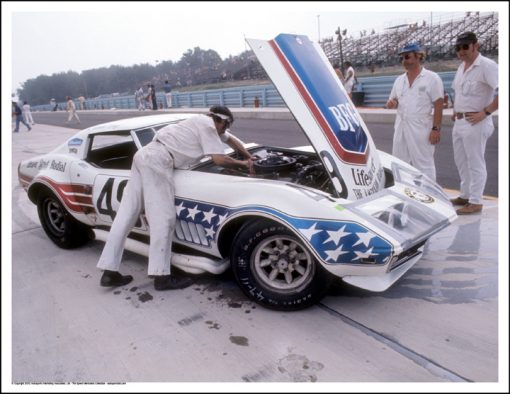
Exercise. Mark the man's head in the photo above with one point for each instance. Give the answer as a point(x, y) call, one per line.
point(467, 46)
point(222, 117)
point(411, 55)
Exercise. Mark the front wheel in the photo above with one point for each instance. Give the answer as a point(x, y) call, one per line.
point(275, 269)
point(58, 224)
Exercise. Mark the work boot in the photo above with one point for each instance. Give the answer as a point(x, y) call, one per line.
point(169, 282)
point(459, 201)
point(468, 209)
point(114, 279)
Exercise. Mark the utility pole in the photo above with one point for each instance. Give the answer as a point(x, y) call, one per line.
point(339, 33)
point(319, 28)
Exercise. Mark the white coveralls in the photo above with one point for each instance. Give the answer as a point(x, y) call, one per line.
point(349, 83)
point(474, 90)
point(71, 108)
point(27, 114)
point(414, 119)
point(151, 187)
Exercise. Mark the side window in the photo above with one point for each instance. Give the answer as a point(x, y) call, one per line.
point(112, 150)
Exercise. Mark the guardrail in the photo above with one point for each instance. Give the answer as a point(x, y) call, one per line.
point(376, 92)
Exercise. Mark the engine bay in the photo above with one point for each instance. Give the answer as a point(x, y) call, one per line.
point(280, 164)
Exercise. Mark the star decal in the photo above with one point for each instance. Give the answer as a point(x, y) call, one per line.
point(221, 218)
point(334, 253)
point(310, 232)
point(192, 212)
point(363, 255)
point(209, 232)
point(364, 238)
point(179, 208)
point(208, 216)
point(336, 236)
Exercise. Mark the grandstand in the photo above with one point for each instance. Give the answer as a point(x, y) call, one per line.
point(373, 49)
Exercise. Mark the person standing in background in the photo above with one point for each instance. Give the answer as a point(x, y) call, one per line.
point(476, 98)
point(168, 94)
point(27, 115)
point(71, 109)
point(418, 97)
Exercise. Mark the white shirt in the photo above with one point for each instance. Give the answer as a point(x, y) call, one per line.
point(474, 88)
point(26, 108)
point(418, 99)
point(192, 139)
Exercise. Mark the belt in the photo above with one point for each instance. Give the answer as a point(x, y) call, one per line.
point(461, 115)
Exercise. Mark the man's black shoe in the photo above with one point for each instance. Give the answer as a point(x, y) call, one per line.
point(169, 282)
point(114, 279)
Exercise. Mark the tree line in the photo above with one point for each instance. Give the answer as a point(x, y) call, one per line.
point(196, 67)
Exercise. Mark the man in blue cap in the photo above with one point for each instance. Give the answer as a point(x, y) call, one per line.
point(418, 97)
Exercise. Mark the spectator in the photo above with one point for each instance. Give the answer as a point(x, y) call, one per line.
point(148, 97)
point(476, 98)
point(349, 79)
point(168, 94)
point(18, 117)
point(140, 100)
point(71, 109)
point(82, 102)
point(417, 94)
point(27, 115)
point(153, 97)
point(339, 72)
point(53, 104)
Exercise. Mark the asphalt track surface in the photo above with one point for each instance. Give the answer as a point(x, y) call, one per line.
point(287, 133)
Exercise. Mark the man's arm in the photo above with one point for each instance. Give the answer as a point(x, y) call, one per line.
point(229, 162)
point(236, 144)
point(435, 133)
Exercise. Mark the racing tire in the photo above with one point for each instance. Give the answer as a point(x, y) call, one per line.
point(275, 269)
point(59, 225)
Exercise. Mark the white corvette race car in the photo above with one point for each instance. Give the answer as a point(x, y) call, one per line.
point(336, 209)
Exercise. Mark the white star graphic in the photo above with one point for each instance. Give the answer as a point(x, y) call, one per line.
point(336, 236)
point(208, 216)
point(222, 218)
point(179, 208)
point(364, 255)
point(334, 253)
point(364, 238)
point(309, 232)
point(192, 212)
point(209, 232)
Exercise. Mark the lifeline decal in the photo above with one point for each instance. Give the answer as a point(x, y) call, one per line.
point(327, 102)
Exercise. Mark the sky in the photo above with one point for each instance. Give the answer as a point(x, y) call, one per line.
point(50, 38)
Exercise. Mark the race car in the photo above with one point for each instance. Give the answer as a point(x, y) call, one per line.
point(336, 209)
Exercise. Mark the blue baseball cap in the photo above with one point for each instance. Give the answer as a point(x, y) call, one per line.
point(414, 47)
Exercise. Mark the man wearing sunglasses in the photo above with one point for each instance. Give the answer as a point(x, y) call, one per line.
point(418, 97)
point(476, 98)
point(151, 186)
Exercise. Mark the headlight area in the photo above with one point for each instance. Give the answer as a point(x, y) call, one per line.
point(407, 221)
point(418, 180)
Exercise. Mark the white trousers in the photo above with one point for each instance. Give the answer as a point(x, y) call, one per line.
point(151, 186)
point(73, 114)
point(469, 143)
point(28, 117)
point(411, 143)
point(168, 99)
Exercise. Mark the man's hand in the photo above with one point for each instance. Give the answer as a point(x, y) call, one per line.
point(434, 137)
point(391, 104)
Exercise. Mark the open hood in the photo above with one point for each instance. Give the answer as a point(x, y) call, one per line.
point(314, 94)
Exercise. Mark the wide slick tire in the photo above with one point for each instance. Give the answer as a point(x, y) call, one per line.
point(58, 224)
point(274, 268)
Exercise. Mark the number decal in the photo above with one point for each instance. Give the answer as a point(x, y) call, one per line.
point(110, 197)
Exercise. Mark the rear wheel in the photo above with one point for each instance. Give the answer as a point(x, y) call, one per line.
point(275, 269)
point(60, 226)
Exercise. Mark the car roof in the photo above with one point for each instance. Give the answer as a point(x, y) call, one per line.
point(137, 122)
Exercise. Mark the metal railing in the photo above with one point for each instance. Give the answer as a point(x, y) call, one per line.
point(376, 92)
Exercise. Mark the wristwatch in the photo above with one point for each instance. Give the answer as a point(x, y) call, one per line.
point(435, 128)
point(487, 112)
